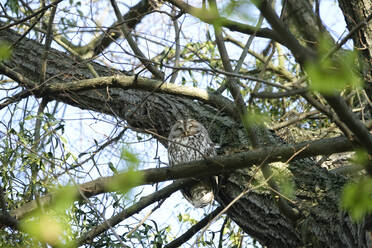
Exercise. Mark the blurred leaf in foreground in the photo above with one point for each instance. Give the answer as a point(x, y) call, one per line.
point(51, 224)
point(356, 198)
point(330, 75)
point(5, 51)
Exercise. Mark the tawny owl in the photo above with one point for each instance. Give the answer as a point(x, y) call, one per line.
point(188, 141)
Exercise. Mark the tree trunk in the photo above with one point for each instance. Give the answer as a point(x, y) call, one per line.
point(356, 12)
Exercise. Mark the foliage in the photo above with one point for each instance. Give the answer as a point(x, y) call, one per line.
point(329, 75)
point(5, 51)
point(356, 196)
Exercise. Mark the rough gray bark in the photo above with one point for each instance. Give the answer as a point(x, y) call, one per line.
point(303, 22)
point(356, 12)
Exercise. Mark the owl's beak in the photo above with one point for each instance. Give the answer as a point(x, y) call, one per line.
point(185, 133)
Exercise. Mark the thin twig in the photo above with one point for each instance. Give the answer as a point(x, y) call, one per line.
point(144, 219)
point(244, 192)
point(31, 16)
point(28, 30)
point(348, 36)
point(48, 42)
point(177, 55)
point(16, 98)
point(135, 208)
point(209, 17)
point(244, 53)
point(123, 27)
point(345, 114)
point(220, 240)
point(294, 120)
point(193, 230)
point(95, 152)
point(269, 95)
point(262, 72)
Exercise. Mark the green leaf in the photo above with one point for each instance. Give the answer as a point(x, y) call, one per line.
point(125, 181)
point(64, 197)
point(331, 75)
point(287, 188)
point(5, 50)
point(45, 228)
point(255, 118)
point(52, 224)
point(356, 198)
point(360, 157)
point(112, 168)
point(239, 9)
point(29, 117)
point(129, 156)
point(14, 6)
point(63, 139)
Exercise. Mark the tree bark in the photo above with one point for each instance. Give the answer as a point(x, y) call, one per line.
point(355, 12)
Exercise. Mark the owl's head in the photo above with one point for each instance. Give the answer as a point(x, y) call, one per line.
point(184, 128)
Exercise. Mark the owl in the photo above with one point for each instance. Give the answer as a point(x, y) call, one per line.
point(189, 140)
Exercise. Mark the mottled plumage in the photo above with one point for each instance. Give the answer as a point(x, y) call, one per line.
point(188, 141)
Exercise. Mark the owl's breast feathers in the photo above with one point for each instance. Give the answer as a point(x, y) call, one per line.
point(188, 148)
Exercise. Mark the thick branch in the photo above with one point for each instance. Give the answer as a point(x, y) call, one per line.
point(300, 52)
point(211, 166)
point(352, 122)
point(303, 55)
point(209, 17)
point(134, 16)
point(146, 84)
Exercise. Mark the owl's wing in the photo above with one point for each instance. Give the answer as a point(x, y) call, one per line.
point(211, 152)
point(199, 195)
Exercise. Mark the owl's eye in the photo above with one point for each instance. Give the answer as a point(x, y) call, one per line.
point(178, 130)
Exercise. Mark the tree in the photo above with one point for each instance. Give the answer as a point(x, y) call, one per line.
point(287, 116)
